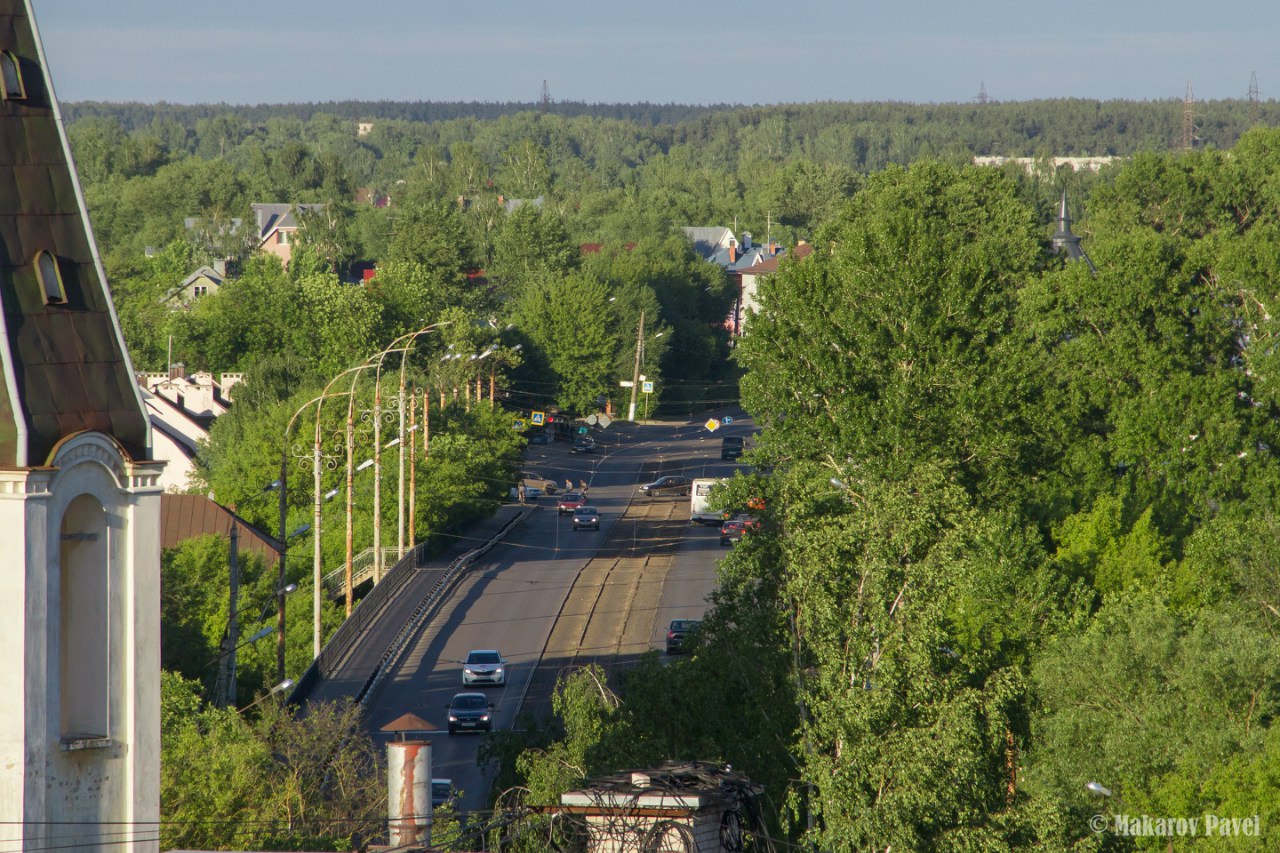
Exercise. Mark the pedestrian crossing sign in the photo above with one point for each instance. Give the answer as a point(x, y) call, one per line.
point(538, 418)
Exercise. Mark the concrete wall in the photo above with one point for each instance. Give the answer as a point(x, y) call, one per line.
point(100, 792)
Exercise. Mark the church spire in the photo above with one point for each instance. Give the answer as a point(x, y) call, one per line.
point(1067, 242)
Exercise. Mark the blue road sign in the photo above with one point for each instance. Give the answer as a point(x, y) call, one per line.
point(726, 420)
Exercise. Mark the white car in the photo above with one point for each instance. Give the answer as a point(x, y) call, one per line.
point(484, 666)
point(536, 485)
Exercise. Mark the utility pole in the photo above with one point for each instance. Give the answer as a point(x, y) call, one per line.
point(228, 675)
point(284, 549)
point(635, 377)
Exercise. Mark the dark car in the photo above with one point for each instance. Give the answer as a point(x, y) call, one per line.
point(570, 501)
point(680, 634)
point(538, 436)
point(441, 792)
point(470, 712)
point(671, 485)
point(586, 517)
point(584, 444)
point(731, 530)
point(731, 447)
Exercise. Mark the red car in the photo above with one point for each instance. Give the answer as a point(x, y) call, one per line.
point(571, 501)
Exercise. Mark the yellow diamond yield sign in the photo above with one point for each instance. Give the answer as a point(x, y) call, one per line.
point(712, 425)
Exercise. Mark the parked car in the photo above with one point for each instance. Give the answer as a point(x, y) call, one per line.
point(470, 712)
point(484, 666)
point(584, 444)
point(731, 447)
point(586, 517)
point(536, 485)
point(571, 501)
point(441, 792)
point(680, 634)
point(538, 436)
point(670, 485)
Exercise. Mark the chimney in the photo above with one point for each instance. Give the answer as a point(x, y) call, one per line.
point(733, 251)
point(746, 241)
point(176, 370)
point(220, 267)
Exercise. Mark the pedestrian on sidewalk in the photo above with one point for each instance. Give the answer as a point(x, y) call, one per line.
point(583, 487)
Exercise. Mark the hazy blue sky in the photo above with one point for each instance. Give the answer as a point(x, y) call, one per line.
point(684, 51)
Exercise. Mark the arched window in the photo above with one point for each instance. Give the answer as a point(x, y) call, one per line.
point(83, 620)
point(50, 279)
point(11, 77)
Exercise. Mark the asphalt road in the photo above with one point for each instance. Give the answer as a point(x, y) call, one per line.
point(513, 598)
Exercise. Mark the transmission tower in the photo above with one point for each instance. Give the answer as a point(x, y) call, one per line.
point(982, 96)
point(1190, 133)
point(1253, 99)
point(544, 102)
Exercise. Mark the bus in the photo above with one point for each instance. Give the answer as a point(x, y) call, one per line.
point(700, 511)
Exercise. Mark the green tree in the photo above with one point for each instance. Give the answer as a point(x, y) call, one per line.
point(568, 322)
point(279, 782)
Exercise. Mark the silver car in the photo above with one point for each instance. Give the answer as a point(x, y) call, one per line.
point(484, 666)
point(586, 517)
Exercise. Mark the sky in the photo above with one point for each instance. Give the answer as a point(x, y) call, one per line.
point(659, 51)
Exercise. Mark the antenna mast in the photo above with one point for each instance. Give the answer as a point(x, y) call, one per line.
point(1253, 98)
point(1189, 129)
point(982, 96)
point(544, 102)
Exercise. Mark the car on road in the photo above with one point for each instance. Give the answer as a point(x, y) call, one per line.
point(731, 530)
point(536, 485)
point(484, 666)
point(736, 526)
point(441, 792)
point(669, 485)
point(471, 712)
point(680, 634)
point(538, 436)
point(584, 444)
point(731, 447)
point(571, 501)
point(586, 517)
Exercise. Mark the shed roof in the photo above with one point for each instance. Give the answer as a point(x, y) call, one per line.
point(184, 517)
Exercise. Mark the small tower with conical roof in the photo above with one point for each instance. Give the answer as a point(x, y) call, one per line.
point(1066, 242)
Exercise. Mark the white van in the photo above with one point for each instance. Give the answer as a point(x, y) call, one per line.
point(700, 511)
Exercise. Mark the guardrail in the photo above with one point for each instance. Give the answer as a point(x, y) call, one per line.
point(411, 626)
point(344, 639)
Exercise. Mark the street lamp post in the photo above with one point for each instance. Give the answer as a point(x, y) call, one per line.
point(635, 376)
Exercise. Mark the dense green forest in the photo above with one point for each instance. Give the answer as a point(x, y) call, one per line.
point(1018, 530)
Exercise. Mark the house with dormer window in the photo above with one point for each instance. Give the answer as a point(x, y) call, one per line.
point(278, 225)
